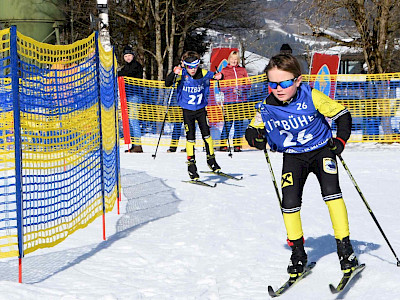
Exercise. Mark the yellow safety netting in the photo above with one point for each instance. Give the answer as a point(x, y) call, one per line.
point(373, 100)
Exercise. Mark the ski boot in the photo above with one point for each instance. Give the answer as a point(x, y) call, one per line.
point(171, 149)
point(135, 149)
point(298, 260)
point(212, 163)
point(347, 258)
point(192, 169)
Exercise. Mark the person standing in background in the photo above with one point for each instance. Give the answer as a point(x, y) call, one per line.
point(285, 49)
point(177, 126)
point(176, 134)
point(234, 93)
point(133, 68)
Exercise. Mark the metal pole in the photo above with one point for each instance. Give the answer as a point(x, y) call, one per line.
point(17, 145)
point(165, 116)
point(368, 207)
point(273, 177)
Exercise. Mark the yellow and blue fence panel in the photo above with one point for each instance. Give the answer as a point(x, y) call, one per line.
point(59, 162)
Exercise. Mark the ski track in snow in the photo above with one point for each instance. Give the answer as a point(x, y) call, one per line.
point(174, 240)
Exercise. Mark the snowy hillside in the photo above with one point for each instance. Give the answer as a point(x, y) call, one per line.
point(255, 64)
point(175, 240)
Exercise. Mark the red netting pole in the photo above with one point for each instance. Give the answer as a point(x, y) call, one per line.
point(20, 270)
point(124, 110)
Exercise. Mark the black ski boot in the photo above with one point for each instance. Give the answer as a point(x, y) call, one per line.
point(347, 258)
point(212, 163)
point(192, 169)
point(298, 260)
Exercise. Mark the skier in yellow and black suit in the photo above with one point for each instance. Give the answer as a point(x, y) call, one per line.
point(292, 120)
point(192, 95)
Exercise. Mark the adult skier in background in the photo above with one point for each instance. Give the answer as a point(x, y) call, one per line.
point(193, 84)
point(292, 120)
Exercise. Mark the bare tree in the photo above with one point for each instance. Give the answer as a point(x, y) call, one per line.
point(77, 18)
point(130, 24)
point(170, 36)
point(369, 25)
point(161, 28)
point(247, 25)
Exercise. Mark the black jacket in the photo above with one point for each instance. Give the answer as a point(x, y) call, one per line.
point(133, 69)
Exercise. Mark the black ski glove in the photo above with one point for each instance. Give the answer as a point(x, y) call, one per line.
point(255, 137)
point(337, 145)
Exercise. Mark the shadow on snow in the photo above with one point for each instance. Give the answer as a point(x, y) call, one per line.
point(148, 199)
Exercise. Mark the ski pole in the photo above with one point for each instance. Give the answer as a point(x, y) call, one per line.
point(368, 207)
point(223, 115)
point(271, 171)
point(165, 116)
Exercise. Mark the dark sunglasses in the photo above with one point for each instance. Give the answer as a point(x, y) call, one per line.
point(283, 84)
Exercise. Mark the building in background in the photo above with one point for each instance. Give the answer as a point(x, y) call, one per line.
point(40, 20)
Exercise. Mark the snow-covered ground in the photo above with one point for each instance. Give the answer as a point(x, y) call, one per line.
point(175, 240)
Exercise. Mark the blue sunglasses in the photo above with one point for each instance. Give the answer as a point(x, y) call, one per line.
point(192, 65)
point(283, 84)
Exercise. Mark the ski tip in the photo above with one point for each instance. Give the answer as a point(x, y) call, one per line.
point(209, 184)
point(199, 182)
point(271, 292)
point(291, 281)
point(333, 289)
point(346, 279)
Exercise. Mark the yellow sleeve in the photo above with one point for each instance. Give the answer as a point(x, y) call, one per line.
point(178, 78)
point(325, 105)
point(257, 121)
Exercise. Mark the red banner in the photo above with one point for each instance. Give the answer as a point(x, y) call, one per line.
point(219, 58)
point(325, 64)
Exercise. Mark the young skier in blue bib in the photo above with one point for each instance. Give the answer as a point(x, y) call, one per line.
point(292, 120)
point(193, 85)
